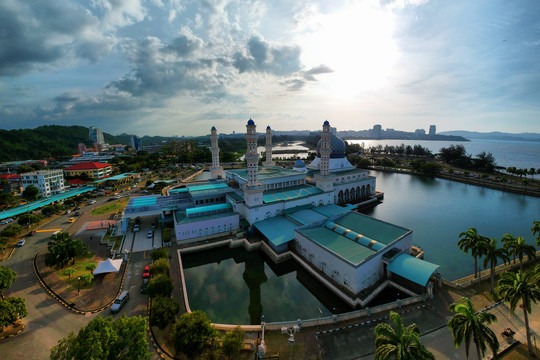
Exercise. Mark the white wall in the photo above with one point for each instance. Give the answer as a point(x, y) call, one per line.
point(207, 227)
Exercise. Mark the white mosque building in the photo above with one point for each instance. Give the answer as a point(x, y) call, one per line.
point(305, 210)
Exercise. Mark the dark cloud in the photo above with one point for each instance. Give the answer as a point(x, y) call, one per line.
point(259, 56)
point(184, 46)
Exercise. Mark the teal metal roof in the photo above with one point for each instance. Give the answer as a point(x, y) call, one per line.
point(182, 219)
point(235, 197)
point(277, 230)
point(381, 231)
point(267, 172)
point(144, 201)
point(116, 177)
point(291, 194)
point(354, 236)
point(307, 216)
point(207, 187)
point(409, 267)
point(179, 190)
point(43, 202)
point(208, 209)
point(340, 245)
point(331, 210)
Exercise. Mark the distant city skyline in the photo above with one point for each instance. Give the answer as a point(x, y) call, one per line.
point(170, 67)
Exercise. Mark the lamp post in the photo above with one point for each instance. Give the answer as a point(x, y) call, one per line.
point(78, 287)
point(261, 350)
point(290, 331)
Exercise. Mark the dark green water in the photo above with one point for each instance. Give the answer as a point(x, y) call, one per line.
point(439, 210)
point(233, 286)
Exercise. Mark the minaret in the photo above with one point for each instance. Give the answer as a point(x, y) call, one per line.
point(268, 147)
point(324, 180)
point(216, 171)
point(253, 189)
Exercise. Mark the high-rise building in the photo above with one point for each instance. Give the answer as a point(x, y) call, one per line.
point(95, 135)
point(81, 148)
point(98, 147)
point(49, 182)
point(376, 131)
point(432, 130)
point(135, 142)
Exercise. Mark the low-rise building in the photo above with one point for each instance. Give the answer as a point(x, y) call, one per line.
point(93, 170)
point(49, 182)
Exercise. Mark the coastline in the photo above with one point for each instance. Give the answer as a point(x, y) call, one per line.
point(513, 188)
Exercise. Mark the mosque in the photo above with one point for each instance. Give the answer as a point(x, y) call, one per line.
point(305, 211)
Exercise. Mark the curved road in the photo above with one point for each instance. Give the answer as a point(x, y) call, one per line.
point(48, 321)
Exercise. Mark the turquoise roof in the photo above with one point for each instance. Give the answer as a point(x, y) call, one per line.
point(292, 193)
point(277, 230)
point(378, 230)
point(116, 177)
point(307, 216)
point(206, 186)
point(267, 172)
point(354, 236)
point(182, 219)
point(331, 210)
point(179, 190)
point(416, 270)
point(338, 244)
point(43, 202)
point(208, 209)
point(144, 201)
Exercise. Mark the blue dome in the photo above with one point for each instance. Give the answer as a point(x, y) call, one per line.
point(268, 127)
point(251, 122)
point(337, 145)
point(326, 122)
point(213, 128)
point(299, 164)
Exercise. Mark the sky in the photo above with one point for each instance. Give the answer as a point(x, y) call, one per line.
point(179, 67)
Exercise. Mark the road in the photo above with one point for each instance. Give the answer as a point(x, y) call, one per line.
point(48, 321)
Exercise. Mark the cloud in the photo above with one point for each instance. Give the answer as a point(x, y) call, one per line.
point(259, 56)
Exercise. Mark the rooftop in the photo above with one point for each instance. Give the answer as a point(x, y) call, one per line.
point(88, 166)
point(277, 230)
point(290, 194)
point(267, 173)
point(378, 230)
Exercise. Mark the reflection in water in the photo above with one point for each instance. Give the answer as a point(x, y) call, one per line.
point(221, 281)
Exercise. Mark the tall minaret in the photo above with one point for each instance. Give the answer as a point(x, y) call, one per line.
point(268, 147)
point(253, 189)
point(216, 171)
point(324, 180)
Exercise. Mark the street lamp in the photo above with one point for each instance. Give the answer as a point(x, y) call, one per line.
point(261, 350)
point(78, 287)
point(290, 331)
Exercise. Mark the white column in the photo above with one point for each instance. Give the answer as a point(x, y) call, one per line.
point(216, 170)
point(252, 156)
point(268, 147)
point(325, 149)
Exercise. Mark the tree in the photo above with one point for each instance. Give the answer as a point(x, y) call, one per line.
point(163, 312)
point(233, 342)
point(122, 339)
point(471, 240)
point(467, 325)
point(62, 248)
point(30, 193)
point(492, 254)
point(69, 272)
point(160, 266)
point(166, 234)
point(536, 231)
point(160, 285)
point(3, 243)
point(193, 333)
point(87, 278)
point(7, 277)
point(12, 309)
point(518, 287)
point(398, 341)
point(520, 249)
point(12, 230)
point(509, 242)
point(27, 219)
point(161, 253)
point(7, 199)
point(91, 267)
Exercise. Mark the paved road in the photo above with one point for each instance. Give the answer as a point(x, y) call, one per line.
point(48, 321)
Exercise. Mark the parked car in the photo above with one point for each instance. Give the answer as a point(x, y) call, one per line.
point(150, 234)
point(146, 272)
point(144, 285)
point(77, 213)
point(136, 228)
point(3, 222)
point(153, 226)
point(92, 202)
point(68, 212)
point(120, 302)
point(21, 242)
point(71, 220)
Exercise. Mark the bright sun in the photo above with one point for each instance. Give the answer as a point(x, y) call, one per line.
point(357, 43)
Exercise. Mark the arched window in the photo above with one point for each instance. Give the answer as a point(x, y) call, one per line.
point(340, 196)
point(363, 191)
point(368, 189)
point(347, 195)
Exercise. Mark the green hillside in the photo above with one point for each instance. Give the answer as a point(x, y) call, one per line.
point(47, 141)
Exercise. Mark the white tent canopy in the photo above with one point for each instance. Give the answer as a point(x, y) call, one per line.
point(108, 266)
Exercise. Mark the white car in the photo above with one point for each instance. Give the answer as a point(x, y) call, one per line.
point(135, 228)
point(150, 234)
point(21, 242)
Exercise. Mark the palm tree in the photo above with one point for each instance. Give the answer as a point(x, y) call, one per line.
point(508, 242)
point(467, 325)
point(399, 342)
point(470, 240)
point(516, 287)
point(536, 231)
point(521, 249)
point(493, 254)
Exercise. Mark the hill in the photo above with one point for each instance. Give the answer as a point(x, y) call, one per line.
point(46, 141)
point(495, 135)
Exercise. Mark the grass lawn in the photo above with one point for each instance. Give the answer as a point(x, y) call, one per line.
point(111, 207)
point(80, 268)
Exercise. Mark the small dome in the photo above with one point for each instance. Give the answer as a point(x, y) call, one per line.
point(251, 122)
point(213, 128)
point(299, 164)
point(336, 144)
point(326, 122)
point(268, 127)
